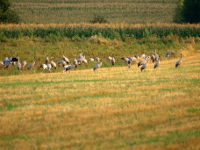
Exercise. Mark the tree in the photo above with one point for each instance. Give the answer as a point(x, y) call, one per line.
point(178, 18)
point(191, 11)
point(187, 11)
point(7, 15)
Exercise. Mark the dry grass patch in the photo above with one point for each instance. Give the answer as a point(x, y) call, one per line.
point(108, 109)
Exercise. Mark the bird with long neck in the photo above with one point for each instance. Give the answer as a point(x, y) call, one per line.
point(178, 63)
point(145, 65)
point(97, 66)
point(19, 66)
point(157, 64)
point(47, 60)
point(142, 62)
point(30, 66)
point(113, 60)
point(65, 58)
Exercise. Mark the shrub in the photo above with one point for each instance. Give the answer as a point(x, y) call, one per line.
point(7, 15)
point(99, 19)
point(187, 11)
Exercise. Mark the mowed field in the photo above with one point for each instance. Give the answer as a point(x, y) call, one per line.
point(113, 108)
point(76, 11)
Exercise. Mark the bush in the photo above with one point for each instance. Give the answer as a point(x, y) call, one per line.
point(99, 19)
point(187, 11)
point(7, 15)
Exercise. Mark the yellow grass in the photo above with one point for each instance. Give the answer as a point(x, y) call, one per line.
point(86, 25)
point(113, 108)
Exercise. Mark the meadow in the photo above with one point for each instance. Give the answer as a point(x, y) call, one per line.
point(76, 11)
point(113, 108)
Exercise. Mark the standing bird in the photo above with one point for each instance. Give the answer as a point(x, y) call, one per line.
point(178, 63)
point(156, 64)
point(47, 60)
point(143, 56)
point(155, 56)
point(30, 66)
point(24, 64)
point(6, 62)
point(109, 58)
point(113, 61)
point(142, 62)
point(65, 59)
point(44, 66)
point(75, 62)
point(144, 65)
point(13, 60)
point(97, 66)
point(19, 66)
point(53, 64)
point(49, 67)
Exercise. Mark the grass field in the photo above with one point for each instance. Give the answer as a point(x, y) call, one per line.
point(113, 108)
point(76, 11)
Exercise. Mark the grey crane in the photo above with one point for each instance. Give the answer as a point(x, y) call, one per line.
point(134, 58)
point(91, 59)
point(68, 68)
point(46, 66)
point(24, 63)
point(155, 56)
point(46, 60)
point(156, 64)
point(144, 66)
point(82, 59)
point(142, 62)
point(97, 66)
point(49, 67)
point(167, 54)
point(19, 65)
point(109, 58)
point(97, 59)
point(143, 56)
point(30, 66)
point(75, 62)
point(127, 60)
point(61, 62)
point(65, 59)
point(53, 64)
point(6, 62)
point(178, 63)
point(112, 60)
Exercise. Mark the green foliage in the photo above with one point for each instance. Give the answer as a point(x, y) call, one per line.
point(187, 11)
point(178, 18)
point(81, 31)
point(191, 11)
point(7, 15)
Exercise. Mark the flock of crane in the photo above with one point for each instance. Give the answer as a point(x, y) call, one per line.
point(48, 64)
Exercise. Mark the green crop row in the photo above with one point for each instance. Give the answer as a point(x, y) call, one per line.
point(106, 31)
